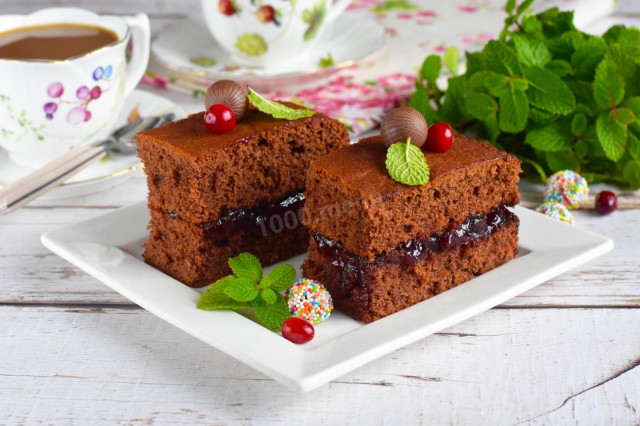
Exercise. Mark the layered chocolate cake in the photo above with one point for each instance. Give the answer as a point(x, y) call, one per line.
point(380, 246)
point(213, 196)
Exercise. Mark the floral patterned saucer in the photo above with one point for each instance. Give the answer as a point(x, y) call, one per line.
point(111, 170)
point(187, 49)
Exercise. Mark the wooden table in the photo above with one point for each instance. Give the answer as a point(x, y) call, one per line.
point(71, 350)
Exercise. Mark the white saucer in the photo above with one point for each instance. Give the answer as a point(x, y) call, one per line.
point(111, 170)
point(351, 37)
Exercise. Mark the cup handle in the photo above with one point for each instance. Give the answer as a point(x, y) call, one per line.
point(337, 8)
point(140, 46)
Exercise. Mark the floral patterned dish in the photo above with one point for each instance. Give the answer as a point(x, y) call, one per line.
point(110, 171)
point(187, 47)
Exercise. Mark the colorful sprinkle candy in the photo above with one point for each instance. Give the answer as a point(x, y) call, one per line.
point(308, 299)
point(556, 211)
point(568, 188)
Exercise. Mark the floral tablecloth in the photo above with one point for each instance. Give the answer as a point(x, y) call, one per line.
point(360, 95)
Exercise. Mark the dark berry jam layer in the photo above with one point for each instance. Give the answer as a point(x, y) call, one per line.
point(354, 269)
point(261, 219)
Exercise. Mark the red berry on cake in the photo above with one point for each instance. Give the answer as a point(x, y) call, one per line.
point(297, 330)
point(266, 14)
point(440, 137)
point(226, 7)
point(219, 118)
point(402, 123)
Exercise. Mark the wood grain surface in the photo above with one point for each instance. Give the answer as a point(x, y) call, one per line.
point(74, 352)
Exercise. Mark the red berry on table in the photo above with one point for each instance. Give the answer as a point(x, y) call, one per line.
point(225, 7)
point(219, 118)
point(439, 138)
point(297, 330)
point(606, 202)
point(265, 14)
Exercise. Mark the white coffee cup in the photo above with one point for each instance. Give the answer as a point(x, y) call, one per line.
point(50, 106)
point(262, 33)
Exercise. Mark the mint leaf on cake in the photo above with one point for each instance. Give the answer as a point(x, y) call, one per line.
point(406, 164)
point(277, 109)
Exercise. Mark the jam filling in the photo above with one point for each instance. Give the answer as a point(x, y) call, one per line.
point(354, 269)
point(271, 217)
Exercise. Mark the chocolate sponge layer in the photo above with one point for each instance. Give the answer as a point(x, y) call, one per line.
point(184, 251)
point(200, 175)
point(390, 288)
point(351, 198)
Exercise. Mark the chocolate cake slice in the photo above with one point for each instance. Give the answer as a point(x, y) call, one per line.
point(213, 196)
point(380, 246)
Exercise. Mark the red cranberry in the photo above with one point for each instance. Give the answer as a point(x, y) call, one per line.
point(606, 202)
point(297, 330)
point(225, 7)
point(439, 138)
point(219, 118)
point(265, 14)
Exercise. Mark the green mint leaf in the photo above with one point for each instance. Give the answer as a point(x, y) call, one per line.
point(524, 6)
point(501, 58)
point(608, 89)
point(562, 160)
point(246, 265)
point(514, 110)
point(531, 51)
point(242, 289)
point(612, 136)
point(215, 298)
point(578, 124)
point(539, 116)
point(475, 62)
point(624, 115)
point(276, 109)
point(421, 101)
point(453, 110)
point(633, 104)
point(535, 170)
point(587, 56)
point(271, 316)
point(431, 70)
point(406, 164)
point(493, 130)
point(559, 67)
point(531, 25)
point(481, 106)
point(631, 173)
point(548, 138)
point(280, 278)
point(548, 92)
point(510, 7)
point(269, 296)
point(634, 146)
point(497, 84)
point(452, 59)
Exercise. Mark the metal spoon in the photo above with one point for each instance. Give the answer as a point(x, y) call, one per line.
point(53, 174)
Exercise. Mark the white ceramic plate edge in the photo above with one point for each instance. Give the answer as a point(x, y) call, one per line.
point(295, 366)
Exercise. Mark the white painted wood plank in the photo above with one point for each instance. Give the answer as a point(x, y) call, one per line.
point(503, 366)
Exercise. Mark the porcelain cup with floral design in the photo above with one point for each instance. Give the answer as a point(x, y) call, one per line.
point(263, 33)
point(50, 106)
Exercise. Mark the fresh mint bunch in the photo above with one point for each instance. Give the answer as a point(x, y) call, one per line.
point(554, 96)
point(247, 288)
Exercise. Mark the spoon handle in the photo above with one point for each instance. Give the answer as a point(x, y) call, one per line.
point(48, 177)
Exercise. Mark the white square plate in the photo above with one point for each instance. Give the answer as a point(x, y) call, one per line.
point(108, 247)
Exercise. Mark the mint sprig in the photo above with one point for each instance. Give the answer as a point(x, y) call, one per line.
point(276, 109)
point(552, 95)
point(406, 164)
point(247, 288)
